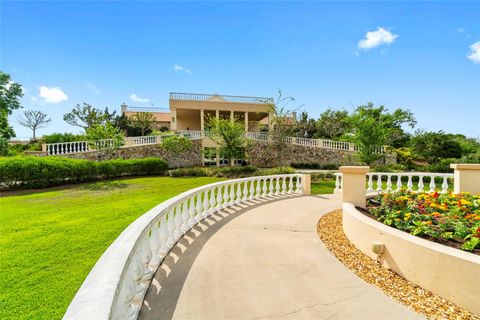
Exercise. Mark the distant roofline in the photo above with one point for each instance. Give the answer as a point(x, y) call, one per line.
point(219, 97)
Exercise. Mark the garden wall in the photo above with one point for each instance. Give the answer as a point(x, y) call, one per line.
point(190, 158)
point(263, 154)
point(450, 273)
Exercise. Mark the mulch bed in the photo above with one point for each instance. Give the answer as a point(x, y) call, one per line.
point(422, 301)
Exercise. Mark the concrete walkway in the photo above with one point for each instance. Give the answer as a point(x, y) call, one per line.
point(263, 262)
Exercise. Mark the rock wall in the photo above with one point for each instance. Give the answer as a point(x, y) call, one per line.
point(264, 154)
point(190, 158)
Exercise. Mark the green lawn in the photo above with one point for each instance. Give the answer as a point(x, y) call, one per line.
point(50, 240)
point(323, 187)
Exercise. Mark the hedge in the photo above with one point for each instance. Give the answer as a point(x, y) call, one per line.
point(41, 172)
point(228, 172)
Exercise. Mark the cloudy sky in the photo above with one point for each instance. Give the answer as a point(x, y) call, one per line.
point(422, 56)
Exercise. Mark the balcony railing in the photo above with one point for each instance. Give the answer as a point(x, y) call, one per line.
point(144, 109)
point(206, 97)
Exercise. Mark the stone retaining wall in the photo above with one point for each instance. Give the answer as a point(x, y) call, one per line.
point(263, 154)
point(190, 158)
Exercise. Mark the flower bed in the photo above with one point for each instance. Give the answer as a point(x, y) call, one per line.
point(451, 219)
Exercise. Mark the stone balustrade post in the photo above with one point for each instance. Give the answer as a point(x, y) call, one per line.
point(466, 177)
point(44, 147)
point(353, 184)
point(306, 185)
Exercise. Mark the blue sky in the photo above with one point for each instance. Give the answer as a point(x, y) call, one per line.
point(424, 56)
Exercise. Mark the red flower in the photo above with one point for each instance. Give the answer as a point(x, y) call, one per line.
point(435, 195)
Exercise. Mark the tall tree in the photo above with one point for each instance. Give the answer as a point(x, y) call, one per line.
point(85, 116)
point(433, 146)
point(305, 127)
point(282, 121)
point(332, 124)
point(229, 135)
point(374, 127)
point(10, 93)
point(142, 121)
point(34, 119)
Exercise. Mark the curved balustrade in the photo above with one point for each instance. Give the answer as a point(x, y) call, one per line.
point(116, 286)
point(412, 181)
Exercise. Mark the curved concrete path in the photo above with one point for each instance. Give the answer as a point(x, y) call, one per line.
point(263, 262)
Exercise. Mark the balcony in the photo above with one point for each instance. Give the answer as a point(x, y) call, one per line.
point(217, 97)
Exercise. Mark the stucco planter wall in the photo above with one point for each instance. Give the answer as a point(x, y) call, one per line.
point(450, 273)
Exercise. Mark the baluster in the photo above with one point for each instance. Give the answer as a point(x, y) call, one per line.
point(271, 185)
point(409, 183)
point(284, 185)
point(264, 189)
point(171, 228)
point(198, 208)
point(232, 194)
point(432, 184)
point(277, 186)
point(185, 216)
point(191, 212)
point(239, 193)
point(178, 222)
point(146, 257)
point(290, 184)
point(389, 182)
point(206, 203)
point(137, 272)
point(219, 198)
point(258, 189)
point(225, 196)
point(155, 245)
point(245, 191)
point(252, 189)
point(399, 183)
point(337, 183)
point(444, 185)
point(370, 182)
point(379, 183)
point(212, 201)
point(420, 184)
point(163, 236)
point(299, 185)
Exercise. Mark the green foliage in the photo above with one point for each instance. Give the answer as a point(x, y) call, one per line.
point(10, 94)
point(87, 116)
point(62, 137)
point(41, 172)
point(98, 132)
point(229, 135)
point(190, 172)
point(315, 166)
point(389, 168)
point(176, 144)
point(305, 127)
point(228, 172)
point(273, 171)
point(333, 124)
point(142, 120)
point(433, 146)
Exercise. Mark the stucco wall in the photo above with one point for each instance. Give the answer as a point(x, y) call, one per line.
point(450, 273)
point(189, 158)
point(264, 154)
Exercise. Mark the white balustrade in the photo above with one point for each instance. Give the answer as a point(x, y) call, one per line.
point(62, 148)
point(403, 180)
point(116, 286)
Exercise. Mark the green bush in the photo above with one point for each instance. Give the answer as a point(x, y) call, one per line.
point(191, 172)
point(176, 144)
point(315, 166)
point(272, 171)
point(62, 137)
point(41, 172)
point(234, 172)
point(390, 168)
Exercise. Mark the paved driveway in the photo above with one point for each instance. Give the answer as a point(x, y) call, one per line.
point(263, 262)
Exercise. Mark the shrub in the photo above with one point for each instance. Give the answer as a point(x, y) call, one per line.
point(315, 166)
point(190, 172)
point(62, 137)
point(390, 168)
point(41, 172)
point(234, 172)
point(176, 144)
point(272, 171)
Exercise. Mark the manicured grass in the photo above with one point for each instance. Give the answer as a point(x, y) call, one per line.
point(323, 187)
point(50, 240)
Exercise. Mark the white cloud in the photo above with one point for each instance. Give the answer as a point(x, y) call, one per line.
point(93, 87)
point(136, 98)
point(178, 68)
point(377, 38)
point(52, 95)
point(460, 30)
point(474, 54)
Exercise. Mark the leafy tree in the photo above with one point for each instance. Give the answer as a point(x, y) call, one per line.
point(374, 127)
point(142, 120)
point(10, 93)
point(86, 116)
point(229, 135)
point(332, 124)
point(176, 144)
point(104, 138)
point(282, 121)
point(305, 127)
point(34, 120)
point(434, 146)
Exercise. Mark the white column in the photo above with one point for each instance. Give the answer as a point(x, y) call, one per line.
point(353, 181)
point(202, 120)
point(246, 121)
point(466, 177)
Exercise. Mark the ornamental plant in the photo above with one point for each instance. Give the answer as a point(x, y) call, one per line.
point(448, 218)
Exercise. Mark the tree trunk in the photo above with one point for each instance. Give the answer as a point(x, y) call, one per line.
point(33, 134)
